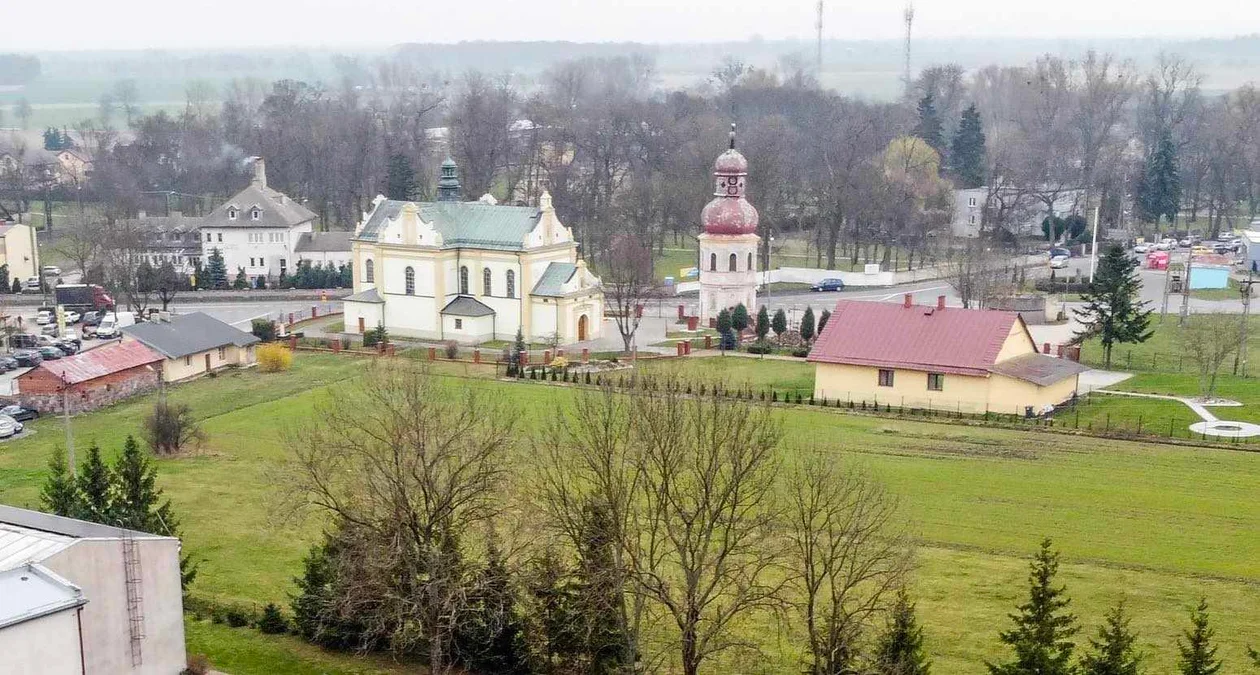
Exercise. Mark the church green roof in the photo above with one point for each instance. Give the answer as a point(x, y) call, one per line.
point(463, 224)
point(552, 281)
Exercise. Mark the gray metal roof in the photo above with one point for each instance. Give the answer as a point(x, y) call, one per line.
point(32, 591)
point(275, 210)
point(1039, 369)
point(467, 306)
point(69, 527)
point(324, 242)
point(463, 224)
point(370, 295)
point(20, 545)
point(553, 279)
point(188, 334)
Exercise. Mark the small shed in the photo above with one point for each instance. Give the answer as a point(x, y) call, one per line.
point(95, 378)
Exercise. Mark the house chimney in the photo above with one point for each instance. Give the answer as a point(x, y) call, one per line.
point(141, 215)
point(260, 173)
point(940, 302)
point(909, 301)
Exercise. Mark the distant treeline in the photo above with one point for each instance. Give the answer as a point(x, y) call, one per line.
point(18, 69)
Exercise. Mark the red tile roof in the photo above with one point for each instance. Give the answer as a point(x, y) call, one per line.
point(101, 361)
point(891, 335)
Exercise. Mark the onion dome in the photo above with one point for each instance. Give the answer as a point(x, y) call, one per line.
point(729, 212)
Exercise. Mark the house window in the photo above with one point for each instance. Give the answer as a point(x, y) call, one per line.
point(936, 382)
point(222, 353)
point(712, 262)
point(971, 201)
point(885, 377)
point(463, 281)
point(750, 262)
point(283, 264)
point(369, 272)
point(409, 281)
point(732, 264)
point(251, 262)
point(485, 282)
point(459, 324)
point(231, 214)
point(255, 213)
point(220, 236)
point(188, 360)
point(511, 283)
point(208, 235)
point(971, 220)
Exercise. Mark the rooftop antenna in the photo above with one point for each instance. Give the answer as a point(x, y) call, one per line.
point(908, 16)
point(819, 26)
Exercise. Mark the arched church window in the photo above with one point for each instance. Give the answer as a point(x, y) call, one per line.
point(712, 262)
point(463, 281)
point(511, 283)
point(734, 266)
point(485, 282)
point(369, 272)
point(750, 262)
point(409, 278)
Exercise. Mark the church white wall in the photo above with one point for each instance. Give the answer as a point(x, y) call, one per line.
point(411, 315)
point(469, 329)
point(543, 319)
point(369, 312)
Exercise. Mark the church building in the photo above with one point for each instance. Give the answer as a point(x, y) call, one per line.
point(728, 244)
point(470, 271)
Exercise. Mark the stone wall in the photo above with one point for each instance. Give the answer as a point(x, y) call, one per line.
point(84, 396)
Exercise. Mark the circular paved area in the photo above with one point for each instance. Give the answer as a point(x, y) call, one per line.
point(1226, 429)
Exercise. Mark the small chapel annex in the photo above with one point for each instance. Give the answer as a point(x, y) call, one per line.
point(470, 272)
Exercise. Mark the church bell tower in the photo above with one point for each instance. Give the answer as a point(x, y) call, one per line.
point(728, 241)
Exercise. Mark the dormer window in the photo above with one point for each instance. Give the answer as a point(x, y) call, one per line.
point(231, 213)
point(253, 214)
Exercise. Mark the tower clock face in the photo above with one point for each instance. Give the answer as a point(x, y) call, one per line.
point(732, 187)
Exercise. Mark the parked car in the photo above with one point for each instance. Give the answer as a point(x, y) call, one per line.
point(828, 285)
point(17, 426)
point(44, 317)
point(49, 329)
point(1142, 248)
point(1166, 244)
point(8, 363)
point(8, 427)
point(72, 316)
point(51, 353)
point(51, 270)
point(32, 285)
point(28, 358)
point(1060, 251)
point(1059, 262)
point(68, 335)
point(19, 413)
point(23, 341)
point(111, 324)
point(67, 348)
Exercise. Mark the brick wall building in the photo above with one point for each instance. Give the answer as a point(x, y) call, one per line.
point(96, 378)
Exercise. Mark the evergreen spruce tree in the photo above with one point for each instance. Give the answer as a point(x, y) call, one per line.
point(316, 616)
point(1113, 311)
point(60, 494)
point(489, 636)
point(724, 326)
point(556, 593)
point(1198, 654)
point(400, 178)
point(601, 600)
point(1159, 186)
point(823, 319)
point(928, 127)
point(807, 325)
point(95, 485)
point(216, 271)
point(739, 318)
point(242, 282)
point(1042, 636)
point(899, 650)
point(779, 323)
point(763, 323)
point(966, 155)
point(1115, 651)
point(138, 504)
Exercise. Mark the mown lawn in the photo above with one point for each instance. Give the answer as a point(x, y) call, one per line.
point(1157, 525)
point(738, 372)
point(1161, 353)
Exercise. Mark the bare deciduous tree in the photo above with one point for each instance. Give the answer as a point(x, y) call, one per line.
point(848, 555)
point(627, 283)
point(410, 469)
point(1209, 339)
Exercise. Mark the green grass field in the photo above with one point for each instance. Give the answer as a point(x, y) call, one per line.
point(1157, 525)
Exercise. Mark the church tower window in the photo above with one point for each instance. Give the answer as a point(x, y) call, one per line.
point(463, 281)
point(712, 262)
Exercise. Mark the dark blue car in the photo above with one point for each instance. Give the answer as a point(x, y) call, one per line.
point(828, 285)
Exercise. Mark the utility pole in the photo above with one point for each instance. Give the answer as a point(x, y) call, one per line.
point(1240, 361)
point(1185, 293)
point(908, 16)
point(65, 412)
point(1093, 248)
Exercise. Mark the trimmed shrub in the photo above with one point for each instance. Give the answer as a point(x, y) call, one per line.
point(274, 357)
point(452, 350)
point(236, 617)
point(272, 621)
point(759, 349)
point(263, 329)
point(800, 352)
point(198, 664)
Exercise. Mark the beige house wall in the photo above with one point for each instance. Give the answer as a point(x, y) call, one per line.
point(184, 367)
point(960, 393)
point(19, 251)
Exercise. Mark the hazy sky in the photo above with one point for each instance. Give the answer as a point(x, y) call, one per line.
point(130, 24)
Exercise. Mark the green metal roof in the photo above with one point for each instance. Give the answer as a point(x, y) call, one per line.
point(463, 224)
point(553, 279)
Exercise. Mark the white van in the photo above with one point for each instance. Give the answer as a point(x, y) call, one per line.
point(112, 323)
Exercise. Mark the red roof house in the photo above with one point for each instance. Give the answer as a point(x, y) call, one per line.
point(936, 356)
point(94, 378)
